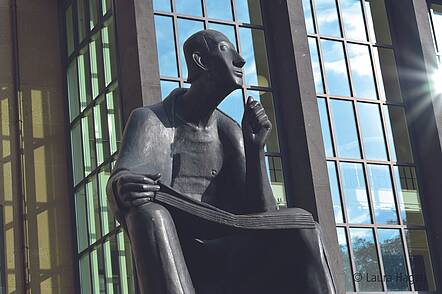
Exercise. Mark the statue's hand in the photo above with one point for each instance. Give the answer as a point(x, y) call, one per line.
point(256, 125)
point(134, 189)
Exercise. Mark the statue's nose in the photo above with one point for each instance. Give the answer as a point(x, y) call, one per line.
point(239, 61)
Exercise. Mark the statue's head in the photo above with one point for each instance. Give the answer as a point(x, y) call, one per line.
point(210, 52)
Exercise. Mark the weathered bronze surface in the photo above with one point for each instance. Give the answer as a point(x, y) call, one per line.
point(187, 144)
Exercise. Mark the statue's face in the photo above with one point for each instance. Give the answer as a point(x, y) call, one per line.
point(225, 65)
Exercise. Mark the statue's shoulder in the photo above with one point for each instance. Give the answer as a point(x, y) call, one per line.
point(152, 114)
point(229, 128)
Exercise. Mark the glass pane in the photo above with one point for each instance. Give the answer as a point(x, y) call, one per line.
point(166, 46)
point(111, 266)
point(276, 176)
point(393, 259)
point(382, 194)
point(106, 5)
point(227, 30)
point(81, 20)
point(345, 257)
point(308, 16)
point(266, 99)
point(114, 120)
point(344, 127)
point(221, 9)
point(163, 5)
point(397, 134)
point(124, 282)
point(101, 132)
point(93, 209)
point(408, 195)
point(253, 50)
point(186, 28)
point(233, 106)
point(327, 17)
point(386, 71)
point(85, 275)
point(69, 30)
point(355, 193)
point(365, 259)
point(377, 21)
point(190, 7)
point(107, 221)
point(81, 219)
point(83, 75)
point(90, 160)
point(334, 188)
point(317, 73)
point(93, 13)
point(372, 131)
point(248, 11)
point(167, 87)
point(95, 65)
point(77, 154)
point(98, 275)
point(420, 260)
point(325, 126)
point(109, 53)
point(74, 103)
point(335, 68)
point(361, 71)
point(437, 24)
point(353, 18)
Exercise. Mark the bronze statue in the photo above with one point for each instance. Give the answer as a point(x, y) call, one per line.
point(187, 151)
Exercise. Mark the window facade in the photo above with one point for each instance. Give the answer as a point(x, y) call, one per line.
point(104, 258)
point(372, 172)
point(241, 22)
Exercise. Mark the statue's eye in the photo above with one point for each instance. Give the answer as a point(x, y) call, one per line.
point(224, 47)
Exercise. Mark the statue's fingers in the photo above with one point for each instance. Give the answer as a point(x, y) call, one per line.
point(138, 195)
point(154, 177)
point(137, 187)
point(259, 111)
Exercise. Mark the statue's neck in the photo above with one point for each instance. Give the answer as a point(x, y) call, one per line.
point(197, 104)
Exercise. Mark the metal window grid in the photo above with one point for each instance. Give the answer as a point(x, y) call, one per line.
point(365, 162)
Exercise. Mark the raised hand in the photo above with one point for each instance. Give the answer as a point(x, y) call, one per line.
point(256, 125)
point(135, 189)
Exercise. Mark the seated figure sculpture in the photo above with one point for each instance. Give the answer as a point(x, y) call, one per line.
point(187, 144)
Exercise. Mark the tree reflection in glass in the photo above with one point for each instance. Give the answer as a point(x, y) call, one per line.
point(343, 248)
point(365, 259)
point(392, 250)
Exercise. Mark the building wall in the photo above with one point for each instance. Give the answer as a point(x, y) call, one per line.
point(48, 226)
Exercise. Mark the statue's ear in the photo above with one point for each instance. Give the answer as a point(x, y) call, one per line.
point(198, 59)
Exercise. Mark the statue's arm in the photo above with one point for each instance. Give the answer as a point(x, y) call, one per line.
point(124, 188)
point(247, 174)
point(256, 127)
